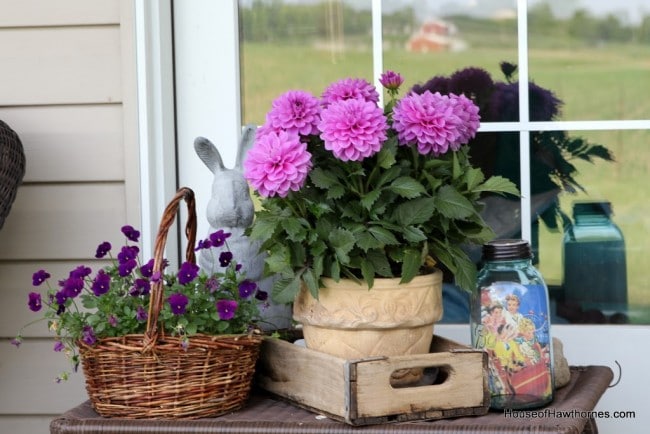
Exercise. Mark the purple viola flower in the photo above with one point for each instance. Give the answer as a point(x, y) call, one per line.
point(140, 287)
point(130, 233)
point(296, 112)
point(203, 244)
point(127, 253)
point(277, 164)
point(72, 286)
point(218, 238)
point(61, 297)
point(391, 80)
point(261, 295)
point(103, 249)
point(350, 88)
point(212, 285)
point(187, 272)
point(17, 341)
point(246, 288)
point(112, 320)
point(101, 284)
point(88, 335)
point(59, 346)
point(125, 268)
point(147, 269)
point(226, 309)
point(178, 303)
point(39, 277)
point(141, 314)
point(80, 272)
point(353, 129)
point(156, 276)
point(225, 258)
point(35, 304)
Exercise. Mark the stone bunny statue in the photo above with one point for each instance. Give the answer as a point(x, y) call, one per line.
point(231, 208)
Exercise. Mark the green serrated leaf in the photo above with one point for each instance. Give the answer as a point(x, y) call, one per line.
point(368, 272)
point(473, 178)
point(284, 291)
point(411, 265)
point(384, 236)
point(342, 241)
point(323, 178)
point(450, 203)
point(498, 184)
point(386, 156)
point(370, 198)
point(407, 187)
point(311, 281)
point(415, 211)
point(366, 241)
point(380, 263)
point(413, 234)
point(294, 229)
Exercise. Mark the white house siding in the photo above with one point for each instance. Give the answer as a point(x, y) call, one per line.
point(67, 87)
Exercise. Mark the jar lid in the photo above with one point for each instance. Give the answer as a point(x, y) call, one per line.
point(507, 249)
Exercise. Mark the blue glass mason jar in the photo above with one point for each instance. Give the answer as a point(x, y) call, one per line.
point(510, 320)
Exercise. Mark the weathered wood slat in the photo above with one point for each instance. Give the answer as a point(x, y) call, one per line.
point(24, 13)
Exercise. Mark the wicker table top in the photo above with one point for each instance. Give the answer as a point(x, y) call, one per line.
point(265, 414)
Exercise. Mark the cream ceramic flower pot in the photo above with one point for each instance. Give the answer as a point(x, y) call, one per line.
point(352, 322)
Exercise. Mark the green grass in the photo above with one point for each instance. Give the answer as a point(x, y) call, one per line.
point(603, 83)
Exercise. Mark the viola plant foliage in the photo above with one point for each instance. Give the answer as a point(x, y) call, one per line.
point(83, 308)
point(351, 189)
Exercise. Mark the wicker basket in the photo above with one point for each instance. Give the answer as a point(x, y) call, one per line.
point(12, 168)
point(150, 376)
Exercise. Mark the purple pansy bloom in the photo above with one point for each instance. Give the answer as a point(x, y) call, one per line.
point(350, 88)
point(225, 258)
point(261, 295)
point(125, 268)
point(212, 285)
point(17, 341)
point(127, 253)
point(140, 287)
point(141, 314)
point(226, 309)
point(187, 272)
point(147, 269)
point(34, 302)
point(39, 277)
point(112, 320)
point(218, 238)
point(353, 129)
point(130, 233)
point(101, 283)
point(88, 335)
point(59, 346)
point(103, 249)
point(295, 112)
point(178, 303)
point(203, 244)
point(80, 272)
point(72, 286)
point(246, 288)
point(277, 163)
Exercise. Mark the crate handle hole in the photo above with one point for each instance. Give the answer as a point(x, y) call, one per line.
point(419, 377)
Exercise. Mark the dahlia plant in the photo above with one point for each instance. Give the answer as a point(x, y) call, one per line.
point(83, 307)
point(351, 189)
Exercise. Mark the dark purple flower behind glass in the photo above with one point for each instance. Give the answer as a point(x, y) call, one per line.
point(247, 288)
point(130, 233)
point(436, 84)
point(226, 309)
point(178, 303)
point(34, 302)
point(39, 277)
point(102, 283)
point(187, 273)
point(103, 249)
point(225, 258)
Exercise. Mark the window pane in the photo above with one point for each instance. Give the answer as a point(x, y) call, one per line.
point(424, 39)
point(299, 45)
point(593, 55)
point(596, 274)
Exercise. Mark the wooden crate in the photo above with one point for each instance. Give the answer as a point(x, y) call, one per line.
point(359, 392)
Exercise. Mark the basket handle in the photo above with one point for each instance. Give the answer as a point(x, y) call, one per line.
point(156, 293)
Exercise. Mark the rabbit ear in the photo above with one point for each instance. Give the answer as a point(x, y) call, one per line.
point(246, 142)
point(209, 154)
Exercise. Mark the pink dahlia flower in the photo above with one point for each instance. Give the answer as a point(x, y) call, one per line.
point(467, 112)
point(295, 111)
point(434, 122)
point(277, 164)
point(350, 88)
point(353, 129)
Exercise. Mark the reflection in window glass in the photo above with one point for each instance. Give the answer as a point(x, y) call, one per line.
point(423, 39)
point(597, 49)
point(596, 274)
point(299, 45)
